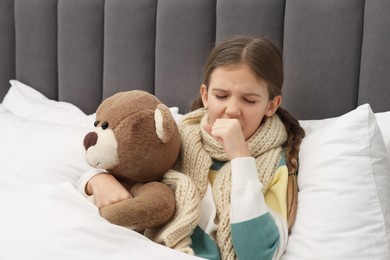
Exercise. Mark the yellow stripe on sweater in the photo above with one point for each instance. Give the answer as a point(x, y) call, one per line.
point(276, 195)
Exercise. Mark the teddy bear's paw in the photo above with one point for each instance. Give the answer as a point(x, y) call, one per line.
point(153, 204)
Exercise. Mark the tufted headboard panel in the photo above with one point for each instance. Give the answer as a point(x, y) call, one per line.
point(335, 52)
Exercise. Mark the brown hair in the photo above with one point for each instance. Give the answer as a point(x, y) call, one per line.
point(266, 61)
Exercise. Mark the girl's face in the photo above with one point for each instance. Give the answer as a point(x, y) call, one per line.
point(235, 92)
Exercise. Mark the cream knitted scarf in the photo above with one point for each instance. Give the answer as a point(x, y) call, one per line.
point(198, 150)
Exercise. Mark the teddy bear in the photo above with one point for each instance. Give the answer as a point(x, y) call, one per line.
point(136, 139)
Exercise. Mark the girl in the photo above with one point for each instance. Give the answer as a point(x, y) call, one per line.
point(240, 148)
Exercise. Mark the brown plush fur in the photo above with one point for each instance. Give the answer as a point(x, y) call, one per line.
point(142, 157)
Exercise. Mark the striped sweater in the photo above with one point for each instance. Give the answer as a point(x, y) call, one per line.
point(258, 222)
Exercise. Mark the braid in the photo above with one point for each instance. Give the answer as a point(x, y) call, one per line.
point(197, 103)
point(295, 134)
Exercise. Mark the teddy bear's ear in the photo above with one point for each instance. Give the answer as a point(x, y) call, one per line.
point(165, 123)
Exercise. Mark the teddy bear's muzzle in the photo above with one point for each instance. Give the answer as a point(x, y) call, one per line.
point(90, 139)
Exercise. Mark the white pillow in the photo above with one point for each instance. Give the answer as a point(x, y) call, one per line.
point(26, 102)
point(383, 120)
point(344, 190)
point(43, 138)
point(40, 151)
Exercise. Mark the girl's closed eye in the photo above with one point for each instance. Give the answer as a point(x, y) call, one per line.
point(221, 96)
point(250, 101)
point(220, 93)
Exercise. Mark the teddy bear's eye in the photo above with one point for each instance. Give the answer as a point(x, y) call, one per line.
point(104, 125)
point(96, 123)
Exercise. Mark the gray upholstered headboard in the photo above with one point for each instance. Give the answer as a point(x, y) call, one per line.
point(336, 52)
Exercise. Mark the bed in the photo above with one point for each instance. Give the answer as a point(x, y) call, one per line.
point(60, 59)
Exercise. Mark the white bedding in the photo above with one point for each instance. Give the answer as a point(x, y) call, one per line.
point(54, 221)
point(344, 188)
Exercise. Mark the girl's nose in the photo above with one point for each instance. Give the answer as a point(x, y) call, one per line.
point(233, 108)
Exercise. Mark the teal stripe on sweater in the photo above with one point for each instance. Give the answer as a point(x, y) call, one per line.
point(257, 238)
point(203, 245)
point(282, 160)
point(217, 165)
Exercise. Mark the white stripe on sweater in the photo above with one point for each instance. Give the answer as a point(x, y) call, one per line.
point(247, 199)
point(208, 213)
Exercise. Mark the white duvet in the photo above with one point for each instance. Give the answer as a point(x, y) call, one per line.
point(54, 221)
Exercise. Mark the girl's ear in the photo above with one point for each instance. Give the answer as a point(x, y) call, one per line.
point(204, 95)
point(273, 105)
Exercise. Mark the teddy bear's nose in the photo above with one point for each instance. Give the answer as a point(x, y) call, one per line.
point(90, 140)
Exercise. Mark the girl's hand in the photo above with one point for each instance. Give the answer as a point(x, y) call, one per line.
point(106, 190)
point(229, 134)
